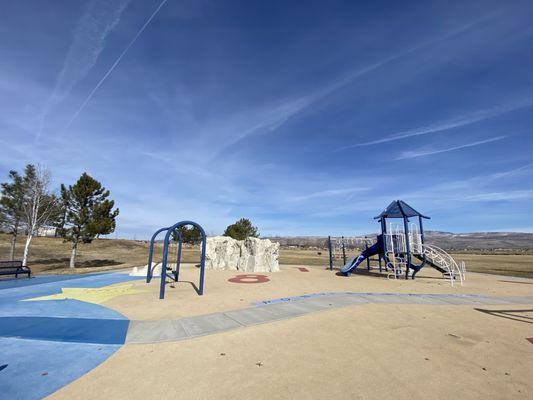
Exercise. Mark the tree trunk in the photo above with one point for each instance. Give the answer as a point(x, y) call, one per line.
point(73, 255)
point(27, 249)
point(13, 243)
point(14, 235)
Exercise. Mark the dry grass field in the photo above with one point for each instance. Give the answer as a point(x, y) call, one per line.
point(51, 255)
point(513, 265)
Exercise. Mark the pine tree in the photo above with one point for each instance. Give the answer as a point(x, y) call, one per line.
point(11, 207)
point(88, 213)
point(241, 230)
point(190, 235)
point(61, 218)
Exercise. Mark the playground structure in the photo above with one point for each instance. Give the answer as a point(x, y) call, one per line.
point(167, 248)
point(399, 245)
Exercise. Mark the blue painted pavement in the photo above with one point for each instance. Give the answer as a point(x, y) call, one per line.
point(44, 345)
point(37, 368)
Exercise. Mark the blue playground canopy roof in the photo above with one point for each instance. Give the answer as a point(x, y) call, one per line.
point(400, 209)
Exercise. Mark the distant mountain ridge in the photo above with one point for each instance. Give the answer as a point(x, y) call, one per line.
point(445, 240)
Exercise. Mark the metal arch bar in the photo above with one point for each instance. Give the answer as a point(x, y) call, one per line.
point(151, 253)
point(165, 256)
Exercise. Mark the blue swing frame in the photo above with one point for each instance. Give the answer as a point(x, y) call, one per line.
point(166, 242)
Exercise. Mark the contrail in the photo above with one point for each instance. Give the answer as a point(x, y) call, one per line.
point(87, 44)
point(117, 61)
point(457, 122)
point(422, 153)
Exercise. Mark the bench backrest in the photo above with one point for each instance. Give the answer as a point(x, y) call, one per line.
point(11, 264)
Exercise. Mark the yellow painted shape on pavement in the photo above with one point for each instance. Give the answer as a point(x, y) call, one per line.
point(90, 295)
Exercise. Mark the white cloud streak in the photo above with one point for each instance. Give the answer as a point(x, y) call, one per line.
point(327, 193)
point(280, 114)
point(98, 20)
point(501, 196)
point(427, 152)
point(117, 61)
point(456, 122)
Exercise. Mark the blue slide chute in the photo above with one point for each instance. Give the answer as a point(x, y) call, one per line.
point(351, 265)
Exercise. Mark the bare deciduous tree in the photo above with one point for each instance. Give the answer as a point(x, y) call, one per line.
point(39, 206)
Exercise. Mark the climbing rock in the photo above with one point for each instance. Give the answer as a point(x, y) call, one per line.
point(222, 252)
point(250, 255)
point(259, 255)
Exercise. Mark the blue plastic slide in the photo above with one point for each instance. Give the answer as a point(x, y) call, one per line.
point(354, 263)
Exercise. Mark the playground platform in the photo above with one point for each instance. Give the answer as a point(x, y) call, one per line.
point(301, 333)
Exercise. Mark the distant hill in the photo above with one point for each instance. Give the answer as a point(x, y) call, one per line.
point(481, 240)
point(489, 241)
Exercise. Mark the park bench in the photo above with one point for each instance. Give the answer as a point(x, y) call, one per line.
point(14, 268)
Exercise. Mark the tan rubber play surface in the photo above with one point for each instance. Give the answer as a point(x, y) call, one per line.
point(360, 351)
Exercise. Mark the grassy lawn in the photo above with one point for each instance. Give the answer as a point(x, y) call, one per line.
point(51, 255)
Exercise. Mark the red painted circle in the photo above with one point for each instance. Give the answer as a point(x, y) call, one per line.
point(249, 278)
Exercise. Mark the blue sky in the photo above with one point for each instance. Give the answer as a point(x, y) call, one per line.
point(306, 117)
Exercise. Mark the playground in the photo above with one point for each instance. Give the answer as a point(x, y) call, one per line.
point(337, 330)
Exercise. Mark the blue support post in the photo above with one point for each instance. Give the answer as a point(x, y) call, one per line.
point(178, 257)
point(368, 258)
point(151, 254)
point(384, 234)
point(164, 267)
point(202, 261)
point(343, 252)
point(407, 246)
point(330, 254)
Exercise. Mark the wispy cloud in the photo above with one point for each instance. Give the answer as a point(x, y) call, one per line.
point(189, 106)
point(455, 122)
point(524, 169)
point(117, 61)
point(427, 152)
point(327, 193)
point(279, 114)
point(499, 196)
point(98, 20)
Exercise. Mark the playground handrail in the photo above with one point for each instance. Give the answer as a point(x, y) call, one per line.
point(461, 269)
point(448, 261)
